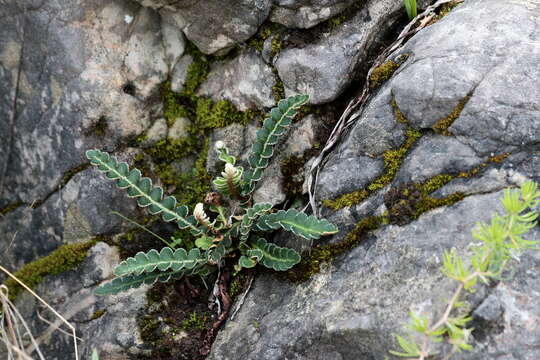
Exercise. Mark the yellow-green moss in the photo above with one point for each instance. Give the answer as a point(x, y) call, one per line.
point(311, 262)
point(445, 10)
point(11, 207)
point(98, 314)
point(392, 162)
point(400, 117)
point(195, 320)
point(210, 115)
point(382, 73)
point(435, 183)
point(275, 45)
point(442, 125)
point(64, 258)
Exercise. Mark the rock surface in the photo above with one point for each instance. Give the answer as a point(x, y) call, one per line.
point(246, 81)
point(324, 68)
point(87, 74)
point(213, 25)
point(106, 323)
point(306, 13)
point(350, 308)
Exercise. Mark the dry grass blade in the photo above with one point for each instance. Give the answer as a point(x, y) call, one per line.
point(11, 322)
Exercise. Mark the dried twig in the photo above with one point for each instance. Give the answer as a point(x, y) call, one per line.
point(62, 319)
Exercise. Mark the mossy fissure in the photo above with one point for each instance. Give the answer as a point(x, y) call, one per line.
point(66, 257)
point(392, 162)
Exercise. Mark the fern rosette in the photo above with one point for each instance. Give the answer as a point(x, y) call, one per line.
point(226, 233)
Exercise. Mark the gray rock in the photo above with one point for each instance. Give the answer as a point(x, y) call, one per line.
point(80, 87)
point(353, 173)
point(114, 333)
point(306, 13)
point(78, 212)
point(350, 308)
point(180, 129)
point(436, 154)
point(324, 68)
point(214, 26)
point(158, 131)
point(246, 81)
point(179, 74)
point(375, 132)
point(494, 119)
point(301, 138)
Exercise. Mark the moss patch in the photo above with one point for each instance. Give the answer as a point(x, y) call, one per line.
point(383, 72)
point(11, 207)
point(442, 125)
point(98, 314)
point(66, 257)
point(444, 10)
point(392, 162)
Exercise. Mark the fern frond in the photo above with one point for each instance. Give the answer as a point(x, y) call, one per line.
point(141, 188)
point(273, 256)
point(166, 259)
point(267, 137)
point(230, 180)
point(134, 281)
point(249, 218)
point(299, 223)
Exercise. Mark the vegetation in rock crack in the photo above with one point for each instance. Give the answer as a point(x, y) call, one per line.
point(498, 242)
point(228, 226)
point(410, 6)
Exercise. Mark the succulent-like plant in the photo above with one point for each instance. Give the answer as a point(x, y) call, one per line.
point(498, 242)
point(234, 229)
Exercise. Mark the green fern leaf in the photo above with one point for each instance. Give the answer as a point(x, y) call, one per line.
point(134, 281)
point(267, 137)
point(273, 256)
point(166, 259)
point(249, 218)
point(299, 223)
point(141, 188)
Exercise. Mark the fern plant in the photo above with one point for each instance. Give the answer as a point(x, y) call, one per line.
point(232, 227)
point(500, 241)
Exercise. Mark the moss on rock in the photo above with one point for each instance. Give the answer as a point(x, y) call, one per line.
point(442, 125)
point(66, 257)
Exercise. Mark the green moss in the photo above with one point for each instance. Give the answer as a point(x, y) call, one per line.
point(195, 320)
point(210, 115)
point(276, 45)
point(66, 257)
point(197, 71)
point(441, 126)
point(445, 10)
point(98, 314)
point(311, 262)
point(11, 207)
point(392, 162)
point(382, 73)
